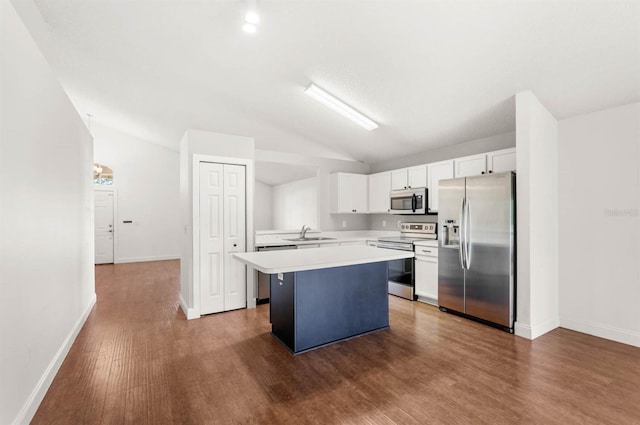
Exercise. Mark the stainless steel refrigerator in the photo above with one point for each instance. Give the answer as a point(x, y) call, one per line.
point(476, 265)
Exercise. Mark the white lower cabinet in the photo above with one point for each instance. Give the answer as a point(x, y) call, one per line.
point(305, 246)
point(427, 279)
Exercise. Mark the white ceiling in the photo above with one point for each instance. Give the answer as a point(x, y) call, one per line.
point(431, 73)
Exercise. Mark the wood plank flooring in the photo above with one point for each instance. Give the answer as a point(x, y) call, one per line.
point(139, 361)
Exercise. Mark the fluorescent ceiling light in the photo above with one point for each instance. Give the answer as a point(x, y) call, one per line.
point(340, 107)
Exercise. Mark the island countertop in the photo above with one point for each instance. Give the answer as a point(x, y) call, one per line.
point(294, 260)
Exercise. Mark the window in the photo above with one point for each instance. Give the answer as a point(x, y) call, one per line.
point(102, 174)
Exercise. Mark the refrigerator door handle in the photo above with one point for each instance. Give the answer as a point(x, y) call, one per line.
point(461, 242)
point(467, 235)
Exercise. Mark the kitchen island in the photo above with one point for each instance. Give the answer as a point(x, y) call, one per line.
point(324, 295)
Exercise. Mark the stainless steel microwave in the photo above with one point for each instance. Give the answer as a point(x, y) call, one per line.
point(409, 201)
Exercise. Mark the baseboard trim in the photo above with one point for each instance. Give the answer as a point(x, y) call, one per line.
point(143, 259)
point(537, 330)
point(37, 395)
point(522, 330)
point(190, 313)
point(624, 336)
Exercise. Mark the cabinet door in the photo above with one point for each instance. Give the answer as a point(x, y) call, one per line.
point(348, 193)
point(427, 279)
point(436, 172)
point(399, 179)
point(471, 165)
point(417, 176)
point(500, 161)
point(379, 188)
point(356, 189)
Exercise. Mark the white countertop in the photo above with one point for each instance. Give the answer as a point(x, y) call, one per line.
point(278, 237)
point(294, 260)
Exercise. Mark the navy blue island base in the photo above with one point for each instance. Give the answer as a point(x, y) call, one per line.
point(313, 308)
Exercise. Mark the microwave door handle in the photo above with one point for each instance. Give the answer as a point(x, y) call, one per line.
point(414, 201)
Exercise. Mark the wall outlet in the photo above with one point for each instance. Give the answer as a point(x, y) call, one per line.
point(344, 223)
point(384, 223)
point(399, 222)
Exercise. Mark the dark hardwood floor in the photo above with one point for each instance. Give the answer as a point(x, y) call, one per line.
point(139, 361)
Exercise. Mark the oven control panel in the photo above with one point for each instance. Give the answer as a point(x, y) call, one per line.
point(427, 228)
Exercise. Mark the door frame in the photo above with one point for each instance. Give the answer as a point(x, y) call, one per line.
point(114, 190)
point(251, 290)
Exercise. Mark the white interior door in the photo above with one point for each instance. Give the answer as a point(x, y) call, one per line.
point(235, 286)
point(211, 238)
point(103, 226)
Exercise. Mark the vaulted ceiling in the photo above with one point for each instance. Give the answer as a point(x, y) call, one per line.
point(431, 73)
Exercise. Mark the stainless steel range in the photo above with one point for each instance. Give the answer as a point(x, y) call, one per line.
point(401, 272)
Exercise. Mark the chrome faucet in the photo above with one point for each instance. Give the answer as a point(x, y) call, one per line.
point(304, 230)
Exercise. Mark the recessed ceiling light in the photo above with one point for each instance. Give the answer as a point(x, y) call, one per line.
point(252, 17)
point(340, 107)
point(249, 28)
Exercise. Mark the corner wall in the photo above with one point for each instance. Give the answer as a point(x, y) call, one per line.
point(599, 184)
point(538, 288)
point(146, 176)
point(46, 231)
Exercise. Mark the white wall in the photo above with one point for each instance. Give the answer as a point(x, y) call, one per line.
point(263, 207)
point(146, 176)
point(295, 204)
point(199, 145)
point(537, 218)
point(471, 147)
point(46, 230)
point(599, 187)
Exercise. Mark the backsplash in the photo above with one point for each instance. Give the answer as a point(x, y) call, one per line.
point(390, 221)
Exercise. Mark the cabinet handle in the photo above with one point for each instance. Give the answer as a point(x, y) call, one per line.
point(490, 171)
point(482, 172)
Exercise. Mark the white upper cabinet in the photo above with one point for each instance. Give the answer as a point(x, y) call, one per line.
point(436, 172)
point(399, 179)
point(500, 161)
point(379, 188)
point(348, 193)
point(417, 176)
point(406, 178)
point(491, 162)
point(473, 165)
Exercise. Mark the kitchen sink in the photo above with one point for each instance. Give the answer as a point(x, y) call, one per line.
point(309, 239)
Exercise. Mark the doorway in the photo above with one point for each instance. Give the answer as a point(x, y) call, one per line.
point(222, 228)
point(103, 201)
